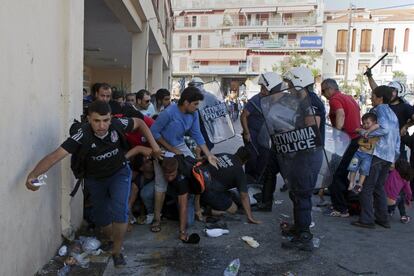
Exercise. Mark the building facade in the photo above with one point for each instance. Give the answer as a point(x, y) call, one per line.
point(234, 41)
point(50, 50)
point(372, 34)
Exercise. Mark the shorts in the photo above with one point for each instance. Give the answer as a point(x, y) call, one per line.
point(360, 161)
point(109, 197)
point(217, 200)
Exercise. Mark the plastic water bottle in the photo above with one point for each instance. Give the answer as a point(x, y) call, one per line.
point(316, 242)
point(233, 268)
point(40, 180)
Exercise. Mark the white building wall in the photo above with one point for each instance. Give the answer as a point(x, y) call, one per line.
point(402, 60)
point(41, 52)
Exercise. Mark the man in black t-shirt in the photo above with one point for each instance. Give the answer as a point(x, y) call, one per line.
point(107, 174)
point(230, 174)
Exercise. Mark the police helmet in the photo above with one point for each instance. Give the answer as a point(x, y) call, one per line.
point(300, 77)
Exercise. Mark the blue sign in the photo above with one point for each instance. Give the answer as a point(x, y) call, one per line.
point(311, 42)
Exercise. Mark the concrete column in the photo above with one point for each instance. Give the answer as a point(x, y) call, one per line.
point(71, 107)
point(139, 63)
point(157, 73)
point(166, 79)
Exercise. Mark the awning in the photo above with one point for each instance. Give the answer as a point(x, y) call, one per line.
point(231, 10)
point(258, 10)
point(295, 9)
point(218, 55)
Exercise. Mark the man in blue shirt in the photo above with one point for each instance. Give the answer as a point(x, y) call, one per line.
point(372, 197)
point(168, 130)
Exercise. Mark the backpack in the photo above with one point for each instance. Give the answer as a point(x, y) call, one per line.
point(78, 159)
point(202, 176)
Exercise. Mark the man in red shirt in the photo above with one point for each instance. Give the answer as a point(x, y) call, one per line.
point(344, 115)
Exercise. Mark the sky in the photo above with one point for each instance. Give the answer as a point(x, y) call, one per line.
point(343, 4)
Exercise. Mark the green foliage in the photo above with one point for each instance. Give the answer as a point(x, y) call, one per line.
point(399, 76)
point(296, 59)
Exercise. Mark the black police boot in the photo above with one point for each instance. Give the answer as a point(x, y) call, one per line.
point(288, 230)
point(303, 241)
point(264, 206)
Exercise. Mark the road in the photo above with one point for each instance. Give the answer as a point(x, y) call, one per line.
point(344, 249)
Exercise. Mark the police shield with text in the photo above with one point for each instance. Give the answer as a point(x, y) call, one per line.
point(295, 120)
point(216, 124)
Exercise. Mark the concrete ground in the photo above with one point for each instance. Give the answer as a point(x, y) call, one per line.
point(344, 249)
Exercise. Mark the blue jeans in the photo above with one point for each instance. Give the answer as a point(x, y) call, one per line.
point(110, 196)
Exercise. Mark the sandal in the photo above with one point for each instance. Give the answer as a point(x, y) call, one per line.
point(155, 226)
point(405, 219)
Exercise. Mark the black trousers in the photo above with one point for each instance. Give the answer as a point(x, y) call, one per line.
point(339, 185)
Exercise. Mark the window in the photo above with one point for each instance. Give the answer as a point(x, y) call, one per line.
point(353, 40)
point(183, 41)
point(205, 41)
point(199, 41)
point(194, 21)
point(189, 44)
point(183, 64)
point(363, 64)
point(386, 65)
point(406, 39)
point(388, 40)
point(204, 21)
point(242, 20)
point(341, 40)
point(291, 36)
point(365, 40)
point(187, 21)
point(340, 66)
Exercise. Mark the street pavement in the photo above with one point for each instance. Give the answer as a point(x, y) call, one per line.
point(344, 249)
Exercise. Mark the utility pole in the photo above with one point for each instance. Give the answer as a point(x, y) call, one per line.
point(348, 46)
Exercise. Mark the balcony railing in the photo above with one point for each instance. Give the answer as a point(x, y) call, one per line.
point(236, 21)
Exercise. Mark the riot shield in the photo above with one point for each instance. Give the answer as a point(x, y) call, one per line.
point(297, 142)
point(214, 114)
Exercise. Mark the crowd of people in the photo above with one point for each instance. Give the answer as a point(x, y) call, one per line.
point(144, 155)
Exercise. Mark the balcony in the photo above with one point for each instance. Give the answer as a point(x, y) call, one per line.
point(236, 21)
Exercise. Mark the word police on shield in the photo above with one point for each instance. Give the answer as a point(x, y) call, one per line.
point(297, 140)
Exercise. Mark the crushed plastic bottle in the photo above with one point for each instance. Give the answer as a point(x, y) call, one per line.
point(64, 271)
point(81, 259)
point(40, 180)
point(233, 268)
point(316, 242)
point(63, 250)
point(89, 244)
point(217, 232)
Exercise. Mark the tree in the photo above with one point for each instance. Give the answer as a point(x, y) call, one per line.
point(296, 59)
point(399, 76)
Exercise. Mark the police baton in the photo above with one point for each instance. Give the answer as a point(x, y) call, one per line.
point(378, 61)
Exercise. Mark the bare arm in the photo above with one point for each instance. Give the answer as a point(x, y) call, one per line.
point(372, 82)
point(145, 131)
point(212, 159)
point(244, 197)
point(44, 165)
point(167, 146)
point(243, 121)
point(182, 211)
point(138, 150)
point(340, 119)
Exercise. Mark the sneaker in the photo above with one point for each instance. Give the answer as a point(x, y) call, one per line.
point(119, 260)
point(335, 213)
point(405, 219)
point(302, 242)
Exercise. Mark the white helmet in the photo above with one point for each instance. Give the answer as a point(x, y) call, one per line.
point(196, 81)
point(300, 77)
point(400, 87)
point(270, 80)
